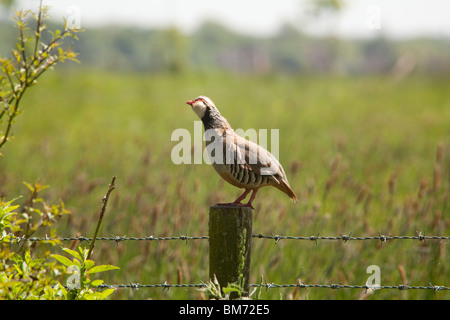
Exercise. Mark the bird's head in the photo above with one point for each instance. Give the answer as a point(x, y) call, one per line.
point(202, 105)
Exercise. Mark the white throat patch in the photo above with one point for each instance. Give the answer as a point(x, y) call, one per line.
point(199, 108)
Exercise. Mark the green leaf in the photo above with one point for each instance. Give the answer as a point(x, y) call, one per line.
point(8, 208)
point(97, 282)
point(60, 291)
point(105, 267)
point(65, 261)
point(88, 264)
point(83, 252)
point(29, 186)
point(72, 253)
point(27, 256)
point(77, 263)
point(105, 293)
point(92, 296)
point(230, 289)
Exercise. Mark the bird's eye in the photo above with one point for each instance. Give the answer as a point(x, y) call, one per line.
point(200, 99)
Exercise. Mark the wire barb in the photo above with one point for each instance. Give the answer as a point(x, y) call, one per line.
point(421, 237)
point(345, 238)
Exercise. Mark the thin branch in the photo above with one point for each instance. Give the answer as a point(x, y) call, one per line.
point(23, 54)
point(38, 31)
point(102, 213)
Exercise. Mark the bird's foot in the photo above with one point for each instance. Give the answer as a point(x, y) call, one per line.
point(249, 205)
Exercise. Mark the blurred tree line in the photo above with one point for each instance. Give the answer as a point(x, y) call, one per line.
point(213, 47)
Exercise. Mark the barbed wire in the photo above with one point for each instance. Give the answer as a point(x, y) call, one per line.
point(345, 238)
point(300, 285)
point(347, 286)
point(342, 237)
point(277, 238)
point(111, 238)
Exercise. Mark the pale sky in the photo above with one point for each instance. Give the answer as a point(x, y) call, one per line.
point(361, 18)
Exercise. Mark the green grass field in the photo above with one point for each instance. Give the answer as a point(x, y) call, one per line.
point(361, 154)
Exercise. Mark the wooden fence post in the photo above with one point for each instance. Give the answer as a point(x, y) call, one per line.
point(227, 244)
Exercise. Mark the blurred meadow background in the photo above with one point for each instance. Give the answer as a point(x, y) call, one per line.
point(362, 108)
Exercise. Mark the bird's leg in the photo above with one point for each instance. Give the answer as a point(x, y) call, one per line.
point(252, 197)
point(241, 197)
point(237, 202)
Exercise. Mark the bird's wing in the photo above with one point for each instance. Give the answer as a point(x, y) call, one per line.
point(256, 162)
point(256, 158)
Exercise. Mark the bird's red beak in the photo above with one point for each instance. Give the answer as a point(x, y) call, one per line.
point(190, 102)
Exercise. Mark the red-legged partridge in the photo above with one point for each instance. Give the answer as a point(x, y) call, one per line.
point(239, 161)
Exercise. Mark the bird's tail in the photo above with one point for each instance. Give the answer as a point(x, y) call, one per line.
point(284, 187)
